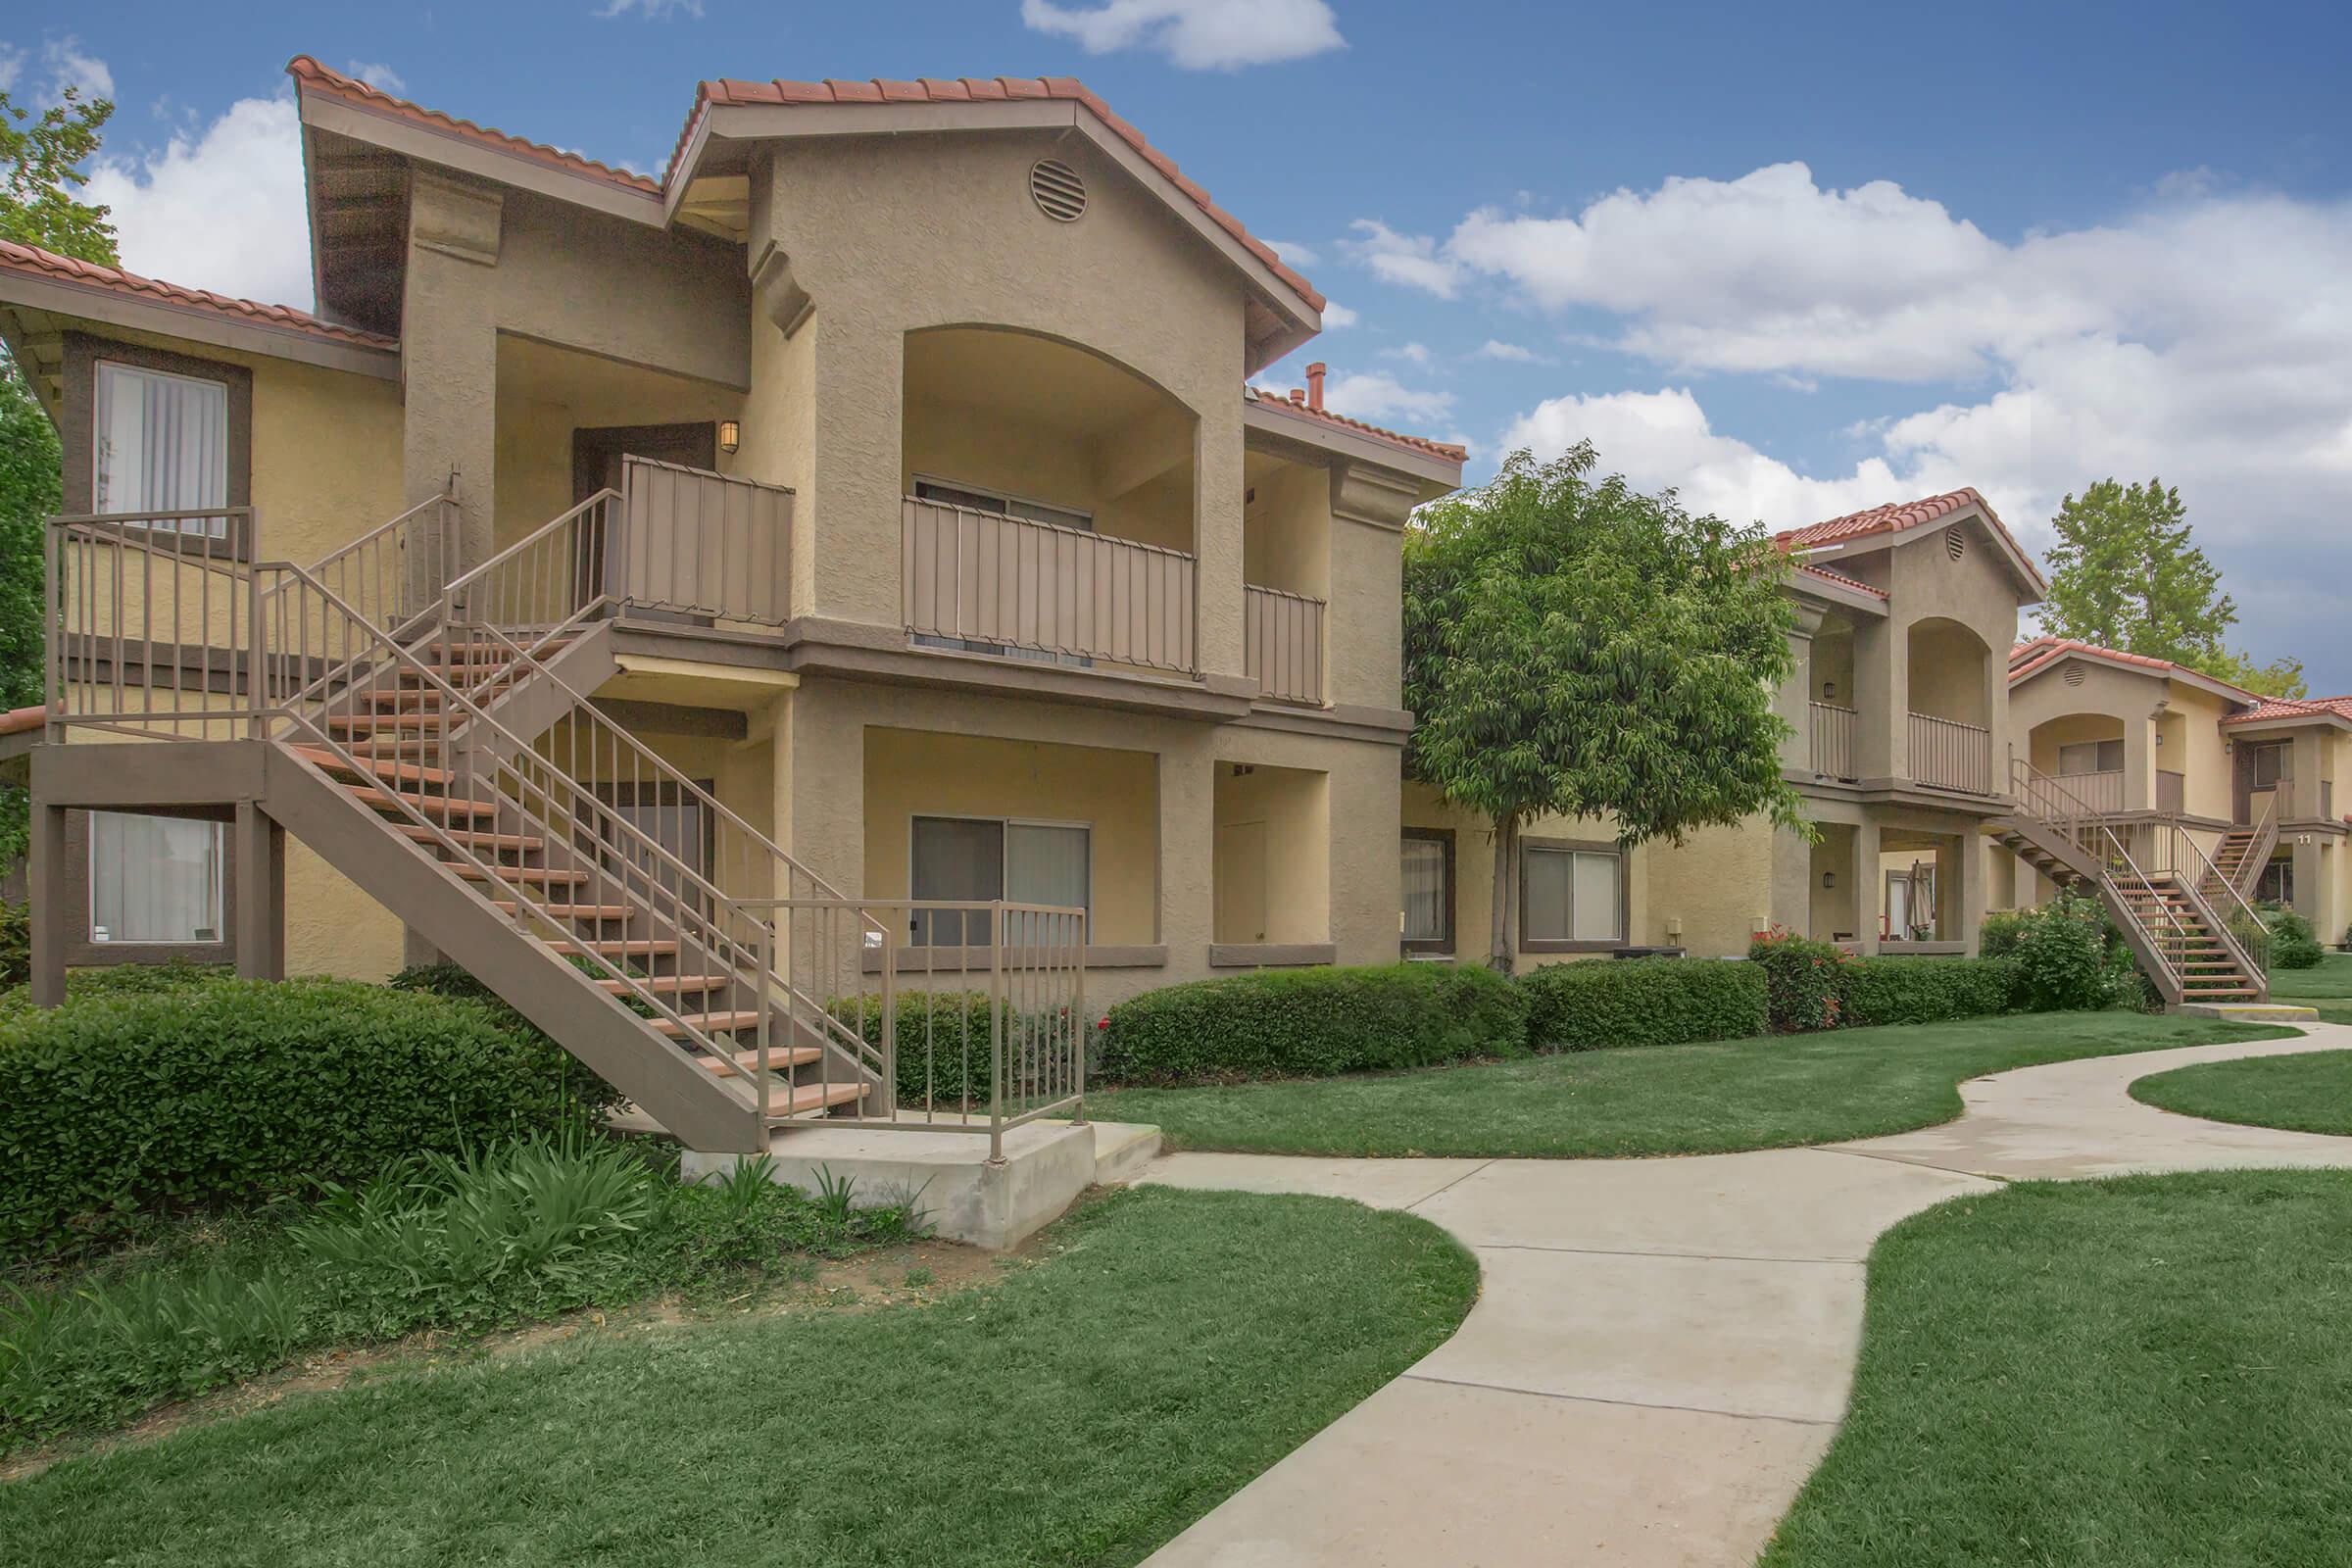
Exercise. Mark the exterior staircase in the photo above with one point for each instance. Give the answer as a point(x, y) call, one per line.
point(2165, 910)
point(2238, 860)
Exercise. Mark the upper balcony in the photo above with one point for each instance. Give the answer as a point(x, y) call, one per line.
point(1943, 741)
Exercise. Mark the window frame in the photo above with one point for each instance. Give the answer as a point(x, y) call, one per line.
point(2098, 749)
point(84, 953)
point(2256, 751)
point(1005, 498)
point(1445, 943)
point(1004, 860)
point(1624, 885)
point(77, 430)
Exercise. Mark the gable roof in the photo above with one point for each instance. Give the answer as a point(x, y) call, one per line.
point(1840, 579)
point(1295, 403)
point(2275, 710)
point(30, 261)
point(1901, 517)
point(2038, 656)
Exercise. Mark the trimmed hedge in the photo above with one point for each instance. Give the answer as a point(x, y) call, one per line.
point(1313, 1023)
point(232, 1091)
point(2292, 944)
point(1805, 981)
point(1600, 1005)
point(1908, 990)
point(955, 1026)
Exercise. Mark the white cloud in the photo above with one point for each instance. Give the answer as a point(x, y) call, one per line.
point(383, 79)
point(1296, 254)
point(1335, 314)
point(1412, 260)
point(1195, 35)
point(1508, 353)
point(650, 10)
point(12, 66)
point(222, 209)
point(69, 66)
point(1410, 352)
point(1378, 395)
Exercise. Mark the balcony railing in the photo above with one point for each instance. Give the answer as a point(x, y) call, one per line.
point(1283, 644)
point(1833, 740)
point(698, 543)
point(1007, 583)
point(2102, 791)
point(1947, 755)
point(2171, 793)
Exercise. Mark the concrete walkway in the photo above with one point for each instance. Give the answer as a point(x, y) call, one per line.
point(1661, 1348)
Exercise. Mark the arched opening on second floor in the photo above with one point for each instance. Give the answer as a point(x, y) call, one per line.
point(2085, 753)
point(1950, 675)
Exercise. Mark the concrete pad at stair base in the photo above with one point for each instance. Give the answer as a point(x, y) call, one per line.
point(948, 1175)
point(1725, 1335)
point(2253, 1011)
point(1778, 1204)
point(1426, 1474)
point(1374, 1183)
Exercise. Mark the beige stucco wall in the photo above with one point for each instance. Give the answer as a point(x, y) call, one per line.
point(958, 443)
point(1273, 827)
point(1923, 583)
point(1715, 889)
point(893, 236)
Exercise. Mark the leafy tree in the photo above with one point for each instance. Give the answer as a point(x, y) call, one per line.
point(2126, 573)
point(40, 168)
point(1575, 646)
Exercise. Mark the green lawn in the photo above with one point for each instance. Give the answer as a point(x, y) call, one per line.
point(2311, 1092)
point(2149, 1372)
point(1768, 1092)
point(2328, 988)
point(1083, 1410)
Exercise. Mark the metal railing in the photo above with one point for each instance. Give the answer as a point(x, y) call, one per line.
point(2172, 792)
point(1282, 644)
point(393, 574)
point(1005, 582)
point(1832, 739)
point(698, 543)
point(548, 582)
point(150, 624)
point(2102, 791)
point(1947, 753)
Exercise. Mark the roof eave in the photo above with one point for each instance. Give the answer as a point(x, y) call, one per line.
point(195, 324)
point(1271, 416)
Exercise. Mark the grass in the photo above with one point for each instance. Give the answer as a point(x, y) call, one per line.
point(2310, 1093)
point(2148, 1372)
point(1170, 1347)
point(2328, 988)
point(1767, 1093)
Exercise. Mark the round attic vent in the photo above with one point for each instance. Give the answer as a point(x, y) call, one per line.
point(1057, 190)
point(1955, 543)
point(2074, 674)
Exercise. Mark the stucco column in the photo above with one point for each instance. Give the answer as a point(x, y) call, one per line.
point(1869, 893)
point(2139, 762)
point(1791, 880)
point(50, 913)
point(2311, 887)
point(1964, 902)
point(1188, 854)
point(1218, 539)
point(1880, 696)
point(448, 354)
point(259, 846)
point(1793, 699)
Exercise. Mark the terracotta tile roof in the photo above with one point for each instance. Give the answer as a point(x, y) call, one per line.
point(304, 70)
point(1883, 520)
point(982, 89)
point(2278, 708)
point(27, 261)
point(16, 720)
point(2039, 653)
point(1840, 579)
point(1295, 404)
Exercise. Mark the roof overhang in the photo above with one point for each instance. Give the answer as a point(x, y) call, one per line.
point(2058, 657)
point(1826, 591)
point(2032, 587)
point(2323, 718)
point(193, 324)
point(1272, 418)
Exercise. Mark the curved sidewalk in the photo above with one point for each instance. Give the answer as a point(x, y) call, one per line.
point(1661, 1348)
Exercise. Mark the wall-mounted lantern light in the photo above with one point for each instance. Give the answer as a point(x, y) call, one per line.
point(730, 435)
point(1828, 879)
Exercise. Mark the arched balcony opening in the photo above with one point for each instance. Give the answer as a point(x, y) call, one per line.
point(1048, 508)
point(1951, 707)
point(1829, 702)
point(2085, 753)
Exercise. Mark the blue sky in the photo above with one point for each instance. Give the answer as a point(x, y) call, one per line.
point(1791, 259)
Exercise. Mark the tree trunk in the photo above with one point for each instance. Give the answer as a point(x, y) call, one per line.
point(1503, 929)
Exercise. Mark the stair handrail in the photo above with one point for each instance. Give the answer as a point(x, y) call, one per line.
point(2178, 934)
point(368, 647)
point(557, 570)
point(2236, 922)
point(383, 559)
point(2264, 840)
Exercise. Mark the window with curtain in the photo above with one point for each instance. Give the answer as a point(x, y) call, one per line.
point(963, 858)
point(155, 879)
point(2272, 762)
point(1571, 895)
point(2090, 757)
point(1426, 867)
point(162, 445)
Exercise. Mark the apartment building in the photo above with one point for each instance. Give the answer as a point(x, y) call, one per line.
point(871, 510)
point(1900, 716)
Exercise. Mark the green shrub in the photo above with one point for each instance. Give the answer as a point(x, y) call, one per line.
point(2063, 957)
point(1311, 1024)
point(1601, 1003)
point(232, 1092)
point(15, 945)
point(1801, 980)
point(1908, 990)
point(2292, 943)
point(943, 1046)
point(580, 1083)
point(1998, 936)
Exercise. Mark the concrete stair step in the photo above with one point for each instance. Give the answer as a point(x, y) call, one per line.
point(369, 723)
point(544, 876)
point(634, 947)
point(669, 984)
point(746, 1062)
point(800, 1100)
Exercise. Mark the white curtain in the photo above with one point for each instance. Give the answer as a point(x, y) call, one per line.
point(961, 860)
point(1572, 895)
point(1046, 864)
point(1424, 868)
point(1544, 887)
point(154, 878)
point(1597, 887)
point(163, 444)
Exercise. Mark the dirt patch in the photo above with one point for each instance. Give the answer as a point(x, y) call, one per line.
point(908, 1274)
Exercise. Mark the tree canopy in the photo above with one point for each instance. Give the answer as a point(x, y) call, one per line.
point(2126, 573)
point(1575, 646)
point(40, 170)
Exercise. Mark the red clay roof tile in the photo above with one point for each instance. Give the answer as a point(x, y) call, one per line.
point(1840, 579)
point(29, 261)
point(1295, 404)
point(2276, 707)
point(308, 71)
point(1896, 516)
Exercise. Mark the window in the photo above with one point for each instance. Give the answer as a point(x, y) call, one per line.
point(2276, 884)
point(2090, 757)
point(682, 828)
point(978, 859)
point(1428, 880)
point(161, 444)
point(1571, 896)
point(2269, 763)
point(1911, 903)
point(155, 879)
